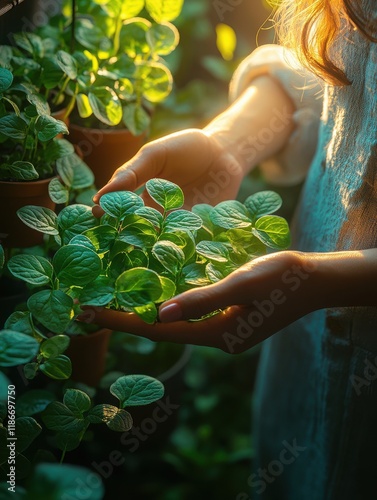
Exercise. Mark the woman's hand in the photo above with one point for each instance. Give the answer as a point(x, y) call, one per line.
point(205, 171)
point(258, 300)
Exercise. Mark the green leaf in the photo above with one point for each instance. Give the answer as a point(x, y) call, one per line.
point(83, 106)
point(101, 413)
point(13, 126)
point(58, 192)
point(195, 274)
point(54, 309)
point(39, 218)
point(246, 240)
point(33, 269)
point(54, 346)
point(182, 220)
point(58, 368)
point(230, 214)
point(169, 255)
point(203, 210)
point(27, 429)
point(137, 390)
point(164, 10)
point(130, 8)
point(70, 428)
point(213, 250)
point(138, 232)
point(183, 239)
point(163, 38)
point(168, 289)
point(137, 287)
point(151, 214)
point(80, 239)
point(133, 39)
point(118, 204)
point(61, 482)
point(147, 312)
point(48, 128)
point(129, 260)
point(120, 422)
point(75, 173)
point(165, 193)
point(33, 401)
point(262, 203)
point(58, 148)
point(76, 265)
point(77, 401)
point(30, 370)
point(155, 81)
point(19, 170)
point(67, 64)
point(101, 237)
point(74, 220)
point(20, 321)
point(40, 103)
point(6, 79)
point(16, 348)
point(98, 293)
point(273, 231)
point(217, 271)
point(105, 105)
point(135, 118)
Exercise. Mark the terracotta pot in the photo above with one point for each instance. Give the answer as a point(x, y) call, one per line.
point(88, 356)
point(14, 195)
point(105, 150)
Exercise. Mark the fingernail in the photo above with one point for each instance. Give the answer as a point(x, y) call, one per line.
point(170, 313)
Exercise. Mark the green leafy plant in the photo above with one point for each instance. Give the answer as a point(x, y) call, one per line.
point(136, 257)
point(101, 60)
point(69, 421)
point(28, 132)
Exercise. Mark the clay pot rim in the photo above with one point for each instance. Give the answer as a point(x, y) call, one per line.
point(17, 188)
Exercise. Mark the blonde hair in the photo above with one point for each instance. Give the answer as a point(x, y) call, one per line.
point(310, 28)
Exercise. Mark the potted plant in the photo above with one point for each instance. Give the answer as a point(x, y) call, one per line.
point(32, 153)
point(114, 74)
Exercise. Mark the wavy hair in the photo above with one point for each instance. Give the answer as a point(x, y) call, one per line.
point(310, 28)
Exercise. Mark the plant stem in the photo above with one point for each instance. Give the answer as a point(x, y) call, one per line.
point(118, 27)
point(63, 456)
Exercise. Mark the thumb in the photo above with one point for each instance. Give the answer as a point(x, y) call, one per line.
point(198, 302)
point(134, 173)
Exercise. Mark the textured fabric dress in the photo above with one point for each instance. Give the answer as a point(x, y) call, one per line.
point(315, 406)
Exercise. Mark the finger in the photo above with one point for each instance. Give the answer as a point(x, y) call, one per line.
point(210, 332)
point(201, 301)
point(144, 165)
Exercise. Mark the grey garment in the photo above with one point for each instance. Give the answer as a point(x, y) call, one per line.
point(316, 394)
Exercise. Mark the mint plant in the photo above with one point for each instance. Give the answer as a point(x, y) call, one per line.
point(100, 60)
point(136, 257)
point(27, 132)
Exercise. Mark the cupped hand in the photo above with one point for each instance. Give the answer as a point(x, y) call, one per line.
point(204, 170)
point(256, 301)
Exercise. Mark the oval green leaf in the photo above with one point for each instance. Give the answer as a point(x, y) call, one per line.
point(137, 390)
point(16, 348)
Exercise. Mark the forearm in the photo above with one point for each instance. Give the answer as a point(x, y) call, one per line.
point(257, 125)
point(341, 279)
